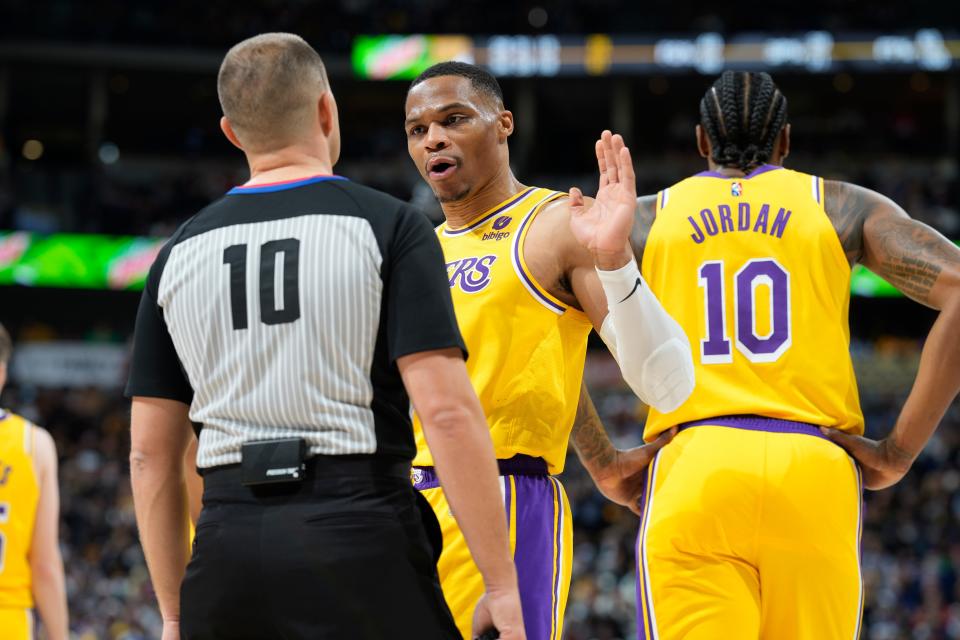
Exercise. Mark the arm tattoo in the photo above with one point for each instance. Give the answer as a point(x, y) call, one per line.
point(876, 231)
point(847, 209)
point(910, 255)
point(589, 437)
point(643, 220)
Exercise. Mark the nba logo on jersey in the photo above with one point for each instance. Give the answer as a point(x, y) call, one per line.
point(736, 189)
point(416, 475)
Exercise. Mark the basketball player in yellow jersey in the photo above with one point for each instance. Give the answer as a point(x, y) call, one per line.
point(751, 516)
point(31, 569)
point(528, 284)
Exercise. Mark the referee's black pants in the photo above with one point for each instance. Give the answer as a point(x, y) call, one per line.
point(345, 554)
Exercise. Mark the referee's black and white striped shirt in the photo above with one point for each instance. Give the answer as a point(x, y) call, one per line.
point(279, 311)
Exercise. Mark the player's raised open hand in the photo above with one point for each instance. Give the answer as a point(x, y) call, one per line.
point(604, 228)
point(882, 462)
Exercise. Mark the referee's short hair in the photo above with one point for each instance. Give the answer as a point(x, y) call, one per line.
point(6, 346)
point(268, 87)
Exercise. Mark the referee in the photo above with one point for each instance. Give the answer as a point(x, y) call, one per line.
point(295, 319)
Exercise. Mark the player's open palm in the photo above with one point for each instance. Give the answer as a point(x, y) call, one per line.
point(499, 610)
point(604, 227)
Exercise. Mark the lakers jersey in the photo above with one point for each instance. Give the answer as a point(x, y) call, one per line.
point(19, 494)
point(753, 270)
point(526, 347)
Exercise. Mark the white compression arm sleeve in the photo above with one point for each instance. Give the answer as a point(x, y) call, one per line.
point(652, 350)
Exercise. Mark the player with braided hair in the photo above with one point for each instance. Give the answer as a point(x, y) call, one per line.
point(742, 115)
point(751, 518)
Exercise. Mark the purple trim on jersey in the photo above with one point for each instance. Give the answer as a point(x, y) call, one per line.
point(761, 169)
point(663, 199)
point(816, 181)
point(758, 423)
point(523, 274)
point(537, 569)
point(280, 186)
point(518, 198)
point(518, 465)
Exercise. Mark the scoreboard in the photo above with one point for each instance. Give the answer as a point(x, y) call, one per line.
point(404, 57)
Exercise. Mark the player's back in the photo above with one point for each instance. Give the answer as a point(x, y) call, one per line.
point(753, 270)
point(19, 494)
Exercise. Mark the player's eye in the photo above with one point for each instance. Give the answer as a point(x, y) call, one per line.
point(415, 131)
point(454, 119)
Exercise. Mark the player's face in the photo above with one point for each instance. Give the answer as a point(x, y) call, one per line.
point(455, 136)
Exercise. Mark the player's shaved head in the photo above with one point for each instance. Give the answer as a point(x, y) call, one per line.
point(269, 86)
point(480, 79)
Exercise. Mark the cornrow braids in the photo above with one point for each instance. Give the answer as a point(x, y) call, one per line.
point(742, 114)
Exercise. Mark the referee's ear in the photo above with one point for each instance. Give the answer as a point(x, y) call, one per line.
point(228, 131)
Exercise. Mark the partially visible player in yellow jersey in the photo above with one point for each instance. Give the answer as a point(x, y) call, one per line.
point(751, 517)
point(31, 569)
point(531, 271)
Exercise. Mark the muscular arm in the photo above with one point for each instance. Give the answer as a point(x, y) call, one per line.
point(926, 267)
point(617, 473)
point(46, 564)
point(457, 434)
point(590, 439)
point(160, 432)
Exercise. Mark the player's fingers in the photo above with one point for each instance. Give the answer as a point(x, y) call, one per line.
point(576, 201)
point(627, 176)
point(601, 163)
point(609, 156)
point(662, 440)
point(857, 446)
point(482, 619)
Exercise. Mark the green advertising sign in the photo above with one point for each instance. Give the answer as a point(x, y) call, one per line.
point(83, 261)
point(405, 57)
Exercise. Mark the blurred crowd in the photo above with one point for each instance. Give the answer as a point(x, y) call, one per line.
point(911, 540)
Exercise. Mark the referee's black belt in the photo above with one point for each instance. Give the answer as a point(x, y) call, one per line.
point(518, 465)
point(321, 467)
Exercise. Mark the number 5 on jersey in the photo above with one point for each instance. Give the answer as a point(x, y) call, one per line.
point(759, 273)
point(279, 272)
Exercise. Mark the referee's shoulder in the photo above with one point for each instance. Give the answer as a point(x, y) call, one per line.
point(367, 197)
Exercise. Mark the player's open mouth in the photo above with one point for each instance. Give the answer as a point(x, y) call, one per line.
point(441, 167)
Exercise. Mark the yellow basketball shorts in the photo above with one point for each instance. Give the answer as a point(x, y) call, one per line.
point(750, 529)
point(16, 623)
point(541, 539)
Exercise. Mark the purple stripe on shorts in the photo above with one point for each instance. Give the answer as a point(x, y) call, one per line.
point(507, 499)
point(758, 423)
point(534, 553)
point(638, 548)
point(558, 562)
point(649, 479)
